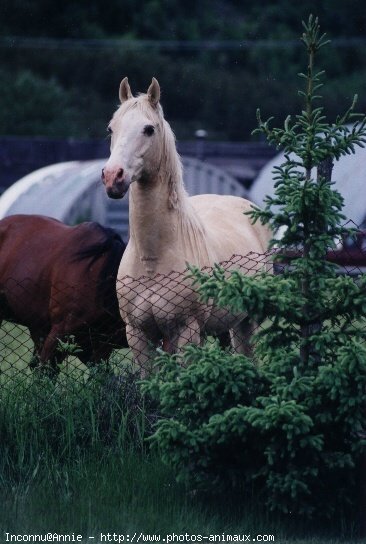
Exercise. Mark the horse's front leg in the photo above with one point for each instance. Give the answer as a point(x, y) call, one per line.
point(142, 347)
point(187, 333)
point(49, 356)
point(37, 340)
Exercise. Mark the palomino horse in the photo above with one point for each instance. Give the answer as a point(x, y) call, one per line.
point(168, 229)
point(58, 281)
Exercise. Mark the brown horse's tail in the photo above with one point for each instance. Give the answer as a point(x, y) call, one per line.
point(110, 246)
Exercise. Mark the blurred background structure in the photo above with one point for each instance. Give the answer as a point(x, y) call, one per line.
point(216, 61)
point(72, 192)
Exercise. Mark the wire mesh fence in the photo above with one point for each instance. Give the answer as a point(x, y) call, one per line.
point(67, 328)
point(56, 332)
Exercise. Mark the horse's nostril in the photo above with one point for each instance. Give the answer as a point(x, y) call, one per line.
point(119, 174)
point(103, 175)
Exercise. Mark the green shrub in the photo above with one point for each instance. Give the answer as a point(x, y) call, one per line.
point(201, 430)
point(292, 433)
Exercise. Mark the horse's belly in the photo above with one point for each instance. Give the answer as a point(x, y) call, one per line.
point(220, 320)
point(162, 305)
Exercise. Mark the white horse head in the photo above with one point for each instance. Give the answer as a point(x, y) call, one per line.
point(137, 145)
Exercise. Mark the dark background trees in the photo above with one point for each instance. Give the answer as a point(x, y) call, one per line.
point(216, 61)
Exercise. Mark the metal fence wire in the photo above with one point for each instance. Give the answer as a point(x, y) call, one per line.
point(52, 330)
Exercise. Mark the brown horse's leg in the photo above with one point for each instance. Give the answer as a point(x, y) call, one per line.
point(93, 351)
point(37, 341)
point(48, 355)
point(104, 339)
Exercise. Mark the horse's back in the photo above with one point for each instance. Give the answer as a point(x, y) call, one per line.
point(29, 242)
point(230, 230)
point(48, 266)
point(36, 242)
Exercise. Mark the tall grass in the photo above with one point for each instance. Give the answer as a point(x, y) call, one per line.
point(43, 420)
point(74, 459)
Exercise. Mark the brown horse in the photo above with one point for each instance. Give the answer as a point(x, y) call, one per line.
point(58, 281)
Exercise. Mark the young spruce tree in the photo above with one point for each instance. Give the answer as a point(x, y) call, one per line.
point(294, 423)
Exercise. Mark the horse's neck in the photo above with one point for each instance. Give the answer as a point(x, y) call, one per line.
point(165, 238)
point(152, 228)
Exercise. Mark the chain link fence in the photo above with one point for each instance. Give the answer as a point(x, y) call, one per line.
point(161, 313)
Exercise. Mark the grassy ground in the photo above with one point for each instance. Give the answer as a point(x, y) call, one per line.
point(132, 494)
point(73, 459)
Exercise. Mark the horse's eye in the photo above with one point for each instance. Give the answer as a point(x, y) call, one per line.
point(149, 130)
point(109, 130)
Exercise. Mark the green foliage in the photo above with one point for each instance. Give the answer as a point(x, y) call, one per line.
point(202, 394)
point(214, 89)
point(32, 105)
point(293, 433)
point(295, 426)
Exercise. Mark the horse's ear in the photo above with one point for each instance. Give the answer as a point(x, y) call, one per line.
point(124, 90)
point(153, 92)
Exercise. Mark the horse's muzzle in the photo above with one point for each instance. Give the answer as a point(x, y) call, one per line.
point(116, 182)
point(115, 191)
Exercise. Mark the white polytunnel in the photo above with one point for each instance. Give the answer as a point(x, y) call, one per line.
point(72, 192)
point(349, 175)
